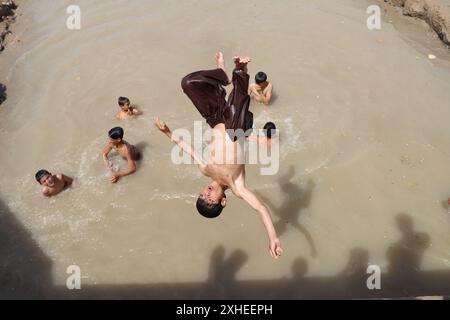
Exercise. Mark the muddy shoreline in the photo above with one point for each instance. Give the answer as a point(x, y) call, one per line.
point(7, 17)
point(435, 12)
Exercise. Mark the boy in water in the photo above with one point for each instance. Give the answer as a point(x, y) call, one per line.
point(52, 184)
point(270, 135)
point(262, 89)
point(126, 109)
point(123, 148)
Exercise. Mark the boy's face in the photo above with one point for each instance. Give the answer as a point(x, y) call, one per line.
point(115, 142)
point(212, 194)
point(262, 84)
point(125, 107)
point(47, 180)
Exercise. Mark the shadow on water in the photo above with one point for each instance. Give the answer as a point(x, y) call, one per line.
point(141, 146)
point(295, 200)
point(405, 255)
point(25, 272)
point(3, 94)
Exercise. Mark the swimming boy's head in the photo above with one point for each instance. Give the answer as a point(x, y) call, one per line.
point(124, 103)
point(45, 178)
point(115, 135)
point(260, 77)
point(211, 201)
point(269, 129)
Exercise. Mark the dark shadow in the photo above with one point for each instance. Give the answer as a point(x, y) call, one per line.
point(141, 146)
point(3, 94)
point(354, 275)
point(295, 200)
point(295, 286)
point(222, 272)
point(405, 255)
point(25, 271)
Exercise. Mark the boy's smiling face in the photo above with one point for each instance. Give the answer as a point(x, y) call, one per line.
point(47, 180)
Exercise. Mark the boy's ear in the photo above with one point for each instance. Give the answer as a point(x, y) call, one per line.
point(223, 202)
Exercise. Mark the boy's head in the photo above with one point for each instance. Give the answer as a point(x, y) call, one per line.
point(45, 178)
point(260, 77)
point(116, 135)
point(124, 103)
point(269, 129)
point(211, 201)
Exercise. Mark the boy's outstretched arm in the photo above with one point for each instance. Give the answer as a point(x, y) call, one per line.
point(67, 180)
point(248, 196)
point(184, 146)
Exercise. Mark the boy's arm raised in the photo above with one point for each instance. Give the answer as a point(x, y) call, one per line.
point(184, 146)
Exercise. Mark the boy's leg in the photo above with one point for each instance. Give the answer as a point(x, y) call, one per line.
point(237, 112)
point(205, 89)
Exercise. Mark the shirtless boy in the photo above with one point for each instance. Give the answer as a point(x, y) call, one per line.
point(123, 148)
point(126, 109)
point(205, 89)
point(52, 184)
point(261, 90)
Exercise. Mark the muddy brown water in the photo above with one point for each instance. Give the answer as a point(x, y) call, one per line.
point(364, 166)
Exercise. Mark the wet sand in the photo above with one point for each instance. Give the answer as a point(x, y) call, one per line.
point(365, 148)
point(434, 12)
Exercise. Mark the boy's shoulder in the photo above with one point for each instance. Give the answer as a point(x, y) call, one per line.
point(121, 115)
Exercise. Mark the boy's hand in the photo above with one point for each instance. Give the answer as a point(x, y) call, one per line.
point(275, 248)
point(161, 126)
point(109, 164)
point(115, 178)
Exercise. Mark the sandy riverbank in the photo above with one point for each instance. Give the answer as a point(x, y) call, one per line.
point(435, 12)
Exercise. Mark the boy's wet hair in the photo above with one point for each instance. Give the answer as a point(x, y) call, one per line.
point(123, 101)
point(260, 77)
point(40, 174)
point(116, 133)
point(207, 210)
point(268, 127)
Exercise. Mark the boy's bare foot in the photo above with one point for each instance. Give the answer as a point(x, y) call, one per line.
point(241, 62)
point(220, 61)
